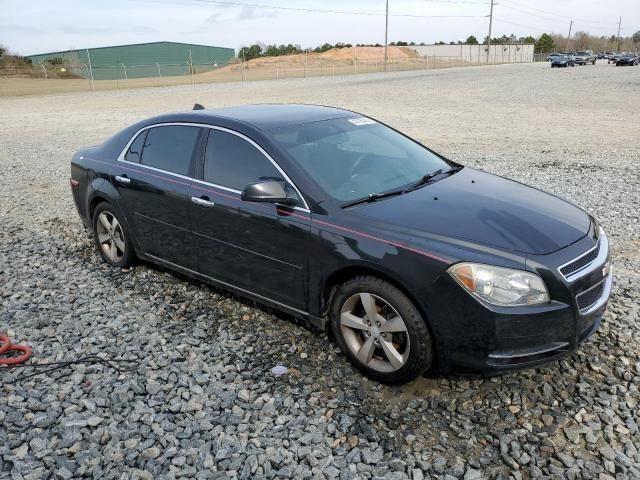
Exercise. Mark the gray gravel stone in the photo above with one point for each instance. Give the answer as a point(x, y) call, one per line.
point(203, 403)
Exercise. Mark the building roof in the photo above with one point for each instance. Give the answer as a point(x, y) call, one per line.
point(125, 45)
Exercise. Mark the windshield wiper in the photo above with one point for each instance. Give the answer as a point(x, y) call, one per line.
point(430, 176)
point(372, 197)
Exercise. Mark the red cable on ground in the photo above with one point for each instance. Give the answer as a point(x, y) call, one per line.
point(7, 346)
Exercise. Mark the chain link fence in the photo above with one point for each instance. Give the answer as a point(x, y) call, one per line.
point(43, 78)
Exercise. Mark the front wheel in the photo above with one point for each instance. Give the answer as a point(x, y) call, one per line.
point(111, 238)
point(380, 330)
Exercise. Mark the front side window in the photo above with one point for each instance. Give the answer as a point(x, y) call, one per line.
point(232, 162)
point(134, 152)
point(170, 148)
point(353, 158)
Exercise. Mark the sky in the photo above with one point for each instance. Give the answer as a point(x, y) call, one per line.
point(38, 26)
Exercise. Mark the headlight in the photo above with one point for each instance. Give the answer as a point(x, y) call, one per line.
point(500, 286)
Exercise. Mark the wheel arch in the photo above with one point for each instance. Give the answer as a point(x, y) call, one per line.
point(344, 274)
point(100, 190)
point(347, 273)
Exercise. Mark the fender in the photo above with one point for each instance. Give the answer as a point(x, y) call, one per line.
point(101, 188)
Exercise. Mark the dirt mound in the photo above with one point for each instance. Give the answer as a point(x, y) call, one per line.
point(368, 53)
point(334, 58)
point(340, 54)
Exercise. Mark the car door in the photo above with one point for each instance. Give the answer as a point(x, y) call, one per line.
point(152, 178)
point(258, 247)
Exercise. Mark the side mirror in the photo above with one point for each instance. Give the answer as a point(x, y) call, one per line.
point(270, 191)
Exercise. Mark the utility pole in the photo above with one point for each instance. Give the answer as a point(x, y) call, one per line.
point(489, 37)
point(618, 36)
point(569, 36)
point(386, 36)
point(90, 69)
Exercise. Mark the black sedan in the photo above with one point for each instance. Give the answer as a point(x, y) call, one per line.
point(412, 261)
point(563, 61)
point(627, 59)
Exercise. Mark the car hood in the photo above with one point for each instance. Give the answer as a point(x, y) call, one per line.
point(483, 208)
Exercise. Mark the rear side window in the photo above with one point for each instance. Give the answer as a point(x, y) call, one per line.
point(134, 152)
point(170, 148)
point(232, 162)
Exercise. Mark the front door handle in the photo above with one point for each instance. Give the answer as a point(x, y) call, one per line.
point(123, 179)
point(203, 201)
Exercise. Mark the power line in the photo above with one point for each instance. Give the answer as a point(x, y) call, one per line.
point(322, 10)
point(499, 20)
point(461, 2)
point(555, 14)
point(489, 36)
point(548, 18)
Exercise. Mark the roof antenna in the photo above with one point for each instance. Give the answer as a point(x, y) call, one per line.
point(197, 106)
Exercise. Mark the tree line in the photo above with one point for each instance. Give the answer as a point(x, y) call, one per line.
point(547, 42)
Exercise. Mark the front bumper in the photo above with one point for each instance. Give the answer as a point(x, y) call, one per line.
point(477, 338)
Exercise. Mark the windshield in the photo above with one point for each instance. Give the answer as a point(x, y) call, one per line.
point(356, 157)
point(582, 53)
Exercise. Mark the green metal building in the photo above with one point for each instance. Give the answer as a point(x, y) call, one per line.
point(155, 59)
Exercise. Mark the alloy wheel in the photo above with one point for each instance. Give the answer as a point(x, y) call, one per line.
point(374, 332)
point(110, 236)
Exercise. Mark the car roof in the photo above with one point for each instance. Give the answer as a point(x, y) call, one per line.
point(274, 115)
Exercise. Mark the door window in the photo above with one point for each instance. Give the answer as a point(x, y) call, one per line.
point(170, 148)
point(232, 162)
point(135, 149)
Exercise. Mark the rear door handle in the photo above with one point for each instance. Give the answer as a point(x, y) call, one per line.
point(123, 179)
point(203, 201)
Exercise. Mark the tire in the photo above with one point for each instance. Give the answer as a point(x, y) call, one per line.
point(354, 330)
point(112, 239)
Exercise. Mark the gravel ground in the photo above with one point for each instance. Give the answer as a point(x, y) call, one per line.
point(202, 401)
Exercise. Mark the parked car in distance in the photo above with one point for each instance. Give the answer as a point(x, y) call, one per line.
point(564, 60)
point(413, 261)
point(628, 59)
point(613, 58)
point(551, 56)
point(585, 56)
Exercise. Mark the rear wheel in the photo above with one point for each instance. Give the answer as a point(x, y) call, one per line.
point(380, 330)
point(112, 240)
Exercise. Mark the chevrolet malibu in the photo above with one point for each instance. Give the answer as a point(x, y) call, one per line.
point(412, 261)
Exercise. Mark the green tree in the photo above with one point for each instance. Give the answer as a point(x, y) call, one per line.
point(471, 40)
point(2, 50)
point(248, 53)
point(582, 40)
point(323, 48)
point(545, 44)
point(528, 39)
point(636, 37)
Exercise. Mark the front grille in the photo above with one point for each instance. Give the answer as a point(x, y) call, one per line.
point(580, 262)
point(589, 297)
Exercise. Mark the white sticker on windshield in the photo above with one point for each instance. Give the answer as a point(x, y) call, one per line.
point(362, 121)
